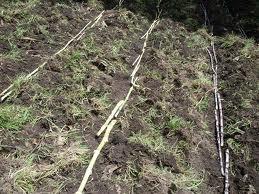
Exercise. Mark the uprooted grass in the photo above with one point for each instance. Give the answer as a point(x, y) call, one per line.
point(50, 162)
point(66, 94)
point(165, 134)
point(241, 88)
point(169, 182)
point(188, 180)
point(153, 140)
point(76, 91)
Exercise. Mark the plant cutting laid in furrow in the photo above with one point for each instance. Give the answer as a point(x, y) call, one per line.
point(219, 119)
point(111, 120)
point(8, 91)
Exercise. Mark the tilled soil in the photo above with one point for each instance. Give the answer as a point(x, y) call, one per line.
point(239, 82)
point(36, 33)
point(73, 95)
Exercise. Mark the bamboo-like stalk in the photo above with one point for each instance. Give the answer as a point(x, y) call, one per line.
point(138, 60)
point(218, 107)
point(36, 70)
point(219, 143)
point(71, 40)
point(214, 52)
point(136, 63)
point(110, 122)
point(211, 60)
point(125, 100)
point(221, 121)
point(89, 169)
point(226, 190)
point(133, 64)
point(112, 115)
point(155, 22)
point(215, 92)
point(8, 91)
point(5, 96)
point(95, 22)
point(136, 68)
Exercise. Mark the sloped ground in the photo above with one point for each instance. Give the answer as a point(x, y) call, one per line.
point(239, 83)
point(31, 31)
point(164, 140)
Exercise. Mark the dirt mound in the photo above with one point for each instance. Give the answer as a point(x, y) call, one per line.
point(239, 77)
point(164, 139)
point(33, 31)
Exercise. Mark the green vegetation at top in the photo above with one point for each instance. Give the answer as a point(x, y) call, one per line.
point(246, 47)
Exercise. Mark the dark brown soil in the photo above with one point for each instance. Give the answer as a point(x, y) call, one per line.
point(93, 75)
point(36, 45)
point(239, 80)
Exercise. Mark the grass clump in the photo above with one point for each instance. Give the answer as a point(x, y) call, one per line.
point(90, 46)
point(14, 53)
point(13, 117)
point(66, 153)
point(152, 140)
point(198, 39)
point(177, 123)
point(237, 127)
point(97, 4)
point(245, 46)
point(117, 46)
point(187, 180)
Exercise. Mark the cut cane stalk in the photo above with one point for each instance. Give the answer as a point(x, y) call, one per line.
point(6, 96)
point(226, 190)
point(221, 121)
point(107, 122)
point(211, 60)
point(89, 169)
point(110, 122)
point(215, 94)
point(214, 52)
point(219, 143)
point(8, 91)
point(125, 100)
point(95, 22)
point(133, 64)
point(139, 58)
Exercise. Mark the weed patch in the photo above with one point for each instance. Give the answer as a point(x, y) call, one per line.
point(14, 117)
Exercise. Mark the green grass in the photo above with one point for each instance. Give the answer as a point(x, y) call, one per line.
point(17, 9)
point(153, 140)
point(235, 127)
point(90, 45)
point(14, 53)
point(203, 104)
point(176, 123)
point(199, 39)
point(75, 61)
point(14, 117)
point(66, 152)
point(244, 46)
point(117, 46)
point(77, 111)
point(187, 180)
point(239, 149)
point(20, 31)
